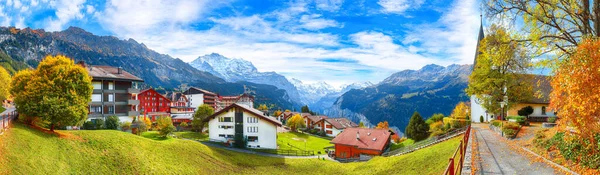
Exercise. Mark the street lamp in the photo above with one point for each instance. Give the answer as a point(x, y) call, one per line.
point(502, 118)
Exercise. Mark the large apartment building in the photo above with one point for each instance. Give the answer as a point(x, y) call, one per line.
point(199, 96)
point(153, 104)
point(115, 93)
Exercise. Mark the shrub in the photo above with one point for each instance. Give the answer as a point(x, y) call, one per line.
point(481, 118)
point(125, 126)
point(496, 123)
point(526, 111)
point(165, 131)
point(522, 120)
point(322, 133)
point(98, 124)
point(447, 127)
point(511, 125)
point(551, 119)
point(112, 122)
point(435, 118)
point(437, 133)
point(88, 125)
point(313, 131)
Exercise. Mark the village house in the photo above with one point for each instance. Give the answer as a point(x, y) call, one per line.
point(310, 120)
point(258, 130)
point(153, 104)
point(334, 126)
point(284, 116)
point(197, 97)
point(180, 108)
point(354, 143)
point(115, 93)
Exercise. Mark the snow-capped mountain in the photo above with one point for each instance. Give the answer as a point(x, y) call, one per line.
point(236, 69)
point(312, 92)
point(326, 101)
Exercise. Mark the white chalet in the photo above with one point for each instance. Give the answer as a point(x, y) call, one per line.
point(259, 130)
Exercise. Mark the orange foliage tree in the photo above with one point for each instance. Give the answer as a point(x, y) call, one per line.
point(575, 93)
point(383, 125)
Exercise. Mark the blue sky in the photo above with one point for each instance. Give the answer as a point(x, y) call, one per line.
point(336, 41)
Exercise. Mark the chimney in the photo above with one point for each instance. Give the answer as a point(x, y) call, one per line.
point(357, 135)
point(119, 70)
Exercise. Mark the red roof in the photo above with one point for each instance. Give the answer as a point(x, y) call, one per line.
point(341, 123)
point(373, 139)
point(315, 118)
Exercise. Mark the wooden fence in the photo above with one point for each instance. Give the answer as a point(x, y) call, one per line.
point(455, 164)
point(425, 143)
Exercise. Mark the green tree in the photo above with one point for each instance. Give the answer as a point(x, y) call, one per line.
point(361, 125)
point(165, 125)
point(5, 86)
point(202, 112)
point(183, 124)
point(58, 92)
point(295, 122)
point(435, 118)
point(525, 111)
point(417, 129)
point(501, 63)
point(112, 122)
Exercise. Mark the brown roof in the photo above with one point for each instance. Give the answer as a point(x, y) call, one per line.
point(541, 85)
point(341, 123)
point(195, 90)
point(251, 110)
point(316, 118)
point(174, 96)
point(287, 115)
point(110, 73)
point(373, 139)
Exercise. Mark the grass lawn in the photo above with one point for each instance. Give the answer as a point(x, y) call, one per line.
point(192, 135)
point(29, 151)
point(2, 109)
point(402, 144)
point(154, 135)
point(302, 141)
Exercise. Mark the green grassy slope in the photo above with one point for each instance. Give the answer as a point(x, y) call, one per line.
point(28, 151)
point(302, 142)
point(2, 109)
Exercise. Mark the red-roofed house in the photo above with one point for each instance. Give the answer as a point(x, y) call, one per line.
point(354, 142)
point(311, 120)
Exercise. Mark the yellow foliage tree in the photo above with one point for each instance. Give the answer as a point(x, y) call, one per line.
point(263, 107)
point(5, 86)
point(277, 113)
point(383, 125)
point(575, 93)
point(295, 122)
point(460, 111)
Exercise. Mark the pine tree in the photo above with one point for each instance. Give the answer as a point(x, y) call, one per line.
point(417, 129)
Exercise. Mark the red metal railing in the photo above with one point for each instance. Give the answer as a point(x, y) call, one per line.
point(455, 163)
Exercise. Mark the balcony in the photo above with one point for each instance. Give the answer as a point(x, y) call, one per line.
point(133, 113)
point(133, 91)
point(133, 102)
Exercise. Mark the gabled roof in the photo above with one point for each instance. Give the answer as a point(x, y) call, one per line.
point(110, 73)
point(174, 96)
point(251, 110)
point(316, 118)
point(159, 95)
point(341, 123)
point(373, 139)
point(195, 90)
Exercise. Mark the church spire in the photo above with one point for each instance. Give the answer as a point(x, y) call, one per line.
point(479, 38)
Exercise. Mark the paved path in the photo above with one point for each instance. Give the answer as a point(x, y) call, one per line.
point(496, 156)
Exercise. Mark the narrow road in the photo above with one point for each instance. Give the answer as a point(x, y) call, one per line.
point(494, 156)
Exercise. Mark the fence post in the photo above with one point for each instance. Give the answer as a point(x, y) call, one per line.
point(451, 169)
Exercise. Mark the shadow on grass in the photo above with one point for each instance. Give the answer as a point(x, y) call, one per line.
point(154, 135)
point(34, 129)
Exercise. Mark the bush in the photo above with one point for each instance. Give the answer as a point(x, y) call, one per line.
point(551, 119)
point(313, 131)
point(165, 131)
point(125, 126)
point(322, 133)
point(435, 118)
point(98, 124)
point(510, 128)
point(522, 120)
point(496, 123)
point(447, 127)
point(481, 118)
point(88, 125)
point(112, 122)
point(526, 111)
point(574, 149)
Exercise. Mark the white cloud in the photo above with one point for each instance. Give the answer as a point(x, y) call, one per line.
point(89, 9)
point(66, 10)
point(314, 22)
point(399, 6)
point(329, 5)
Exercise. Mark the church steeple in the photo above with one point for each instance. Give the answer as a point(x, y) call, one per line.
point(479, 38)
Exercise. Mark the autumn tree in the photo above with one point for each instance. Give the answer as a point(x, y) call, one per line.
point(277, 113)
point(460, 111)
point(501, 63)
point(361, 125)
point(417, 129)
point(58, 92)
point(295, 122)
point(575, 93)
point(263, 107)
point(383, 125)
point(202, 113)
point(5, 86)
point(555, 26)
point(165, 126)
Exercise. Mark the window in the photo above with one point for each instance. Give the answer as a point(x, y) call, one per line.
point(111, 97)
point(253, 129)
point(229, 136)
point(328, 126)
point(252, 120)
point(221, 135)
point(225, 127)
point(97, 85)
point(96, 97)
point(329, 132)
point(252, 138)
point(543, 110)
point(226, 119)
point(95, 109)
point(111, 86)
point(111, 110)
